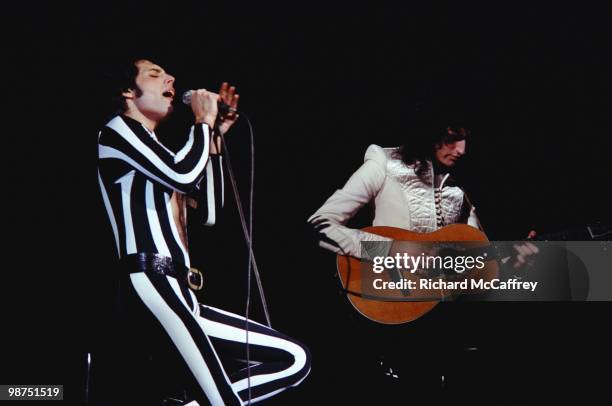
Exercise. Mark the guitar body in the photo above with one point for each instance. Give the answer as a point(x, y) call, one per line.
point(398, 312)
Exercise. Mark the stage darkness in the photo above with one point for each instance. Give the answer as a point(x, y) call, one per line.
point(320, 84)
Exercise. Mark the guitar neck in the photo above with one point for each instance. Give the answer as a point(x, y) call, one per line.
point(587, 233)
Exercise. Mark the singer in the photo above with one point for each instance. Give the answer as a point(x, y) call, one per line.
point(145, 186)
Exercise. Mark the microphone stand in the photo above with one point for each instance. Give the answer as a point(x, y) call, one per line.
point(248, 235)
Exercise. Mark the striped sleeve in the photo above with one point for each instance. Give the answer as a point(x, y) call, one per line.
point(211, 190)
point(128, 141)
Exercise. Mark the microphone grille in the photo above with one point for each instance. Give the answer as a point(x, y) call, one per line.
point(187, 97)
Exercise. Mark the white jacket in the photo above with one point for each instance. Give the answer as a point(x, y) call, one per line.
point(401, 200)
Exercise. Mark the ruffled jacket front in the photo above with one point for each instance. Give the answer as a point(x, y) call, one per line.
point(400, 197)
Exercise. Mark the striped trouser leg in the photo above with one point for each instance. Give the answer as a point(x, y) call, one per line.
point(277, 361)
point(204, 336)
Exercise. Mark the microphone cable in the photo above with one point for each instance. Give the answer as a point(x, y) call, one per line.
point(248, 235)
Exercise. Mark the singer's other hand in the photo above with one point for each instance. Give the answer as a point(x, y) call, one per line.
point(228, 95)
point(204, 106)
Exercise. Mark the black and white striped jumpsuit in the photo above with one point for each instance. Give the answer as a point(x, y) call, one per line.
point(137, 176)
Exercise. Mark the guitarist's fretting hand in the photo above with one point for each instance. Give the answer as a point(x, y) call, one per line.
point(525, 252)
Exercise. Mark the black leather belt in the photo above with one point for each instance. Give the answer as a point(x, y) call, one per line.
point(160, 264)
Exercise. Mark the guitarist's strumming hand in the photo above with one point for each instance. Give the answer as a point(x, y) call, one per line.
point(525, 252)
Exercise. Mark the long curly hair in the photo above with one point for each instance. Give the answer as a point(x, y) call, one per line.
point(431, 128)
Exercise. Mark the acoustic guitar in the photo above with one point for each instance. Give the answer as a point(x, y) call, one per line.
point(399, 306)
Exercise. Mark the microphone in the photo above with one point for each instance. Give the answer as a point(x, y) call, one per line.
point(223, 108)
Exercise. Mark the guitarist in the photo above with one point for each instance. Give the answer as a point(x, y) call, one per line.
point(411, 188)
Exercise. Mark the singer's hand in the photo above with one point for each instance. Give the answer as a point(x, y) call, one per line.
point(228, 95)
point(204, 106)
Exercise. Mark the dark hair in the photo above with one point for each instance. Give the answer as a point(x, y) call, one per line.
point(430, 128)
point(119, 77)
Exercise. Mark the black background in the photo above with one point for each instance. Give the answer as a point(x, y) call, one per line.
point(320, 83)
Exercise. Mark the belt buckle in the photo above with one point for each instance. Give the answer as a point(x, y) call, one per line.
point(195, 279)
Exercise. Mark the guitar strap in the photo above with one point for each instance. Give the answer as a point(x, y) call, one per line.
point(471, 207)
